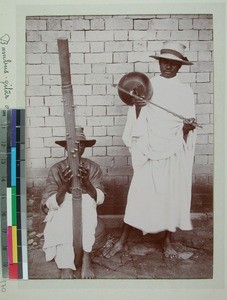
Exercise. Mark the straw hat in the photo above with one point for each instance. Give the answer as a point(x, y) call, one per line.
point(79, 137)
point(173, 51)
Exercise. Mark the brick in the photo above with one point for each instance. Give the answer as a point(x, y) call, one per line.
point(207, 128)
point(118, 23)
point(50, 58)
point(119, 68)
point(202, 139)
point(185, 24)
point(99, 131)
point(37, 69)
point(154, 45)
point(36, 25)
point(36, 101)
point(103, 161)
point(34, 58)
point(81, 24)
point(98, 58)
point(141, 67)
point(204, 149)
point(79, 47)
point(202, 119)
point(204, 98)
point(201, 179)
point(56, 111)
point(38, 90)
point(204, 108)
point(203, 67)
point(84, 111)
point(77, 58)
point(99, 36)
point(50, 162)
point(203, 24)
point(59, 132)
point(94, 121)
point(139, 57)
point(35, 80)
point(120, 57)
point(202, 87)
point(117, 110)
point(35, 47)
point(99, 78)
point(33, 36)
point(54, 69)
point(97, 47)
point(78, 36)
point(81, 68)
point(57, 152)
point(55, 91)
point(120, 35)
point(99, 110)
point(98, 68)
point(104, 141)
point(99, 151)
point(120, 161)
point(53, 101)
point(39, 132)
point(38, 153)
point(188, 35)
point(203, 169)
point(117, 141)
point(117, 151)
point(141, 24)
point(37, 111)
point(205, 56)
point(118, 46)
point(36, 122)
point(163, 24)
point(115, 130)
point(67, 25)
point(37, 163)
point(82, 90)
point(201, 45)
point(163, 35)
point(202, 77)
point(206, 35)
point(78, 79)
point(54, 121)
point(99, 90)
point(97, 24)
point(100, 100)
point(48, 36)
point(50, 142)
point(36, 143)
point(140, 46)
point(51, 80)
point(141, 35)
point(54, 24)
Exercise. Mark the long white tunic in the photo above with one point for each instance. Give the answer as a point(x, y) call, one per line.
point(159, 196)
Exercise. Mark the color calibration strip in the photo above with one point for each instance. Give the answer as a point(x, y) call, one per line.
point(13, 194)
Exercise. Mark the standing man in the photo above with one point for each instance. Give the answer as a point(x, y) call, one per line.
point(162, 149)
point(57, 203)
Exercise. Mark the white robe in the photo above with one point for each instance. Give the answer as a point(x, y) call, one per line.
point(58, 232)
point(159, 196)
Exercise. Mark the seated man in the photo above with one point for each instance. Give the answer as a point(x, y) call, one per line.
point(57, 203)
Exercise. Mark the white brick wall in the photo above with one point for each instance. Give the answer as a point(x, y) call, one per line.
point(103, 49)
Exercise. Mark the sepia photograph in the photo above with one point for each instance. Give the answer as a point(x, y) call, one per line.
point(119, 146)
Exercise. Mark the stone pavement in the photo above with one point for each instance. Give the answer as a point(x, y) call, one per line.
point(143, 259)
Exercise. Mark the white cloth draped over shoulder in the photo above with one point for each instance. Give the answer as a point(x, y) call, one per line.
point(159, 197)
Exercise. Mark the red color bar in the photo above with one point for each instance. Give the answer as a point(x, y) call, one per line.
point(13, 271)
point(10, 244)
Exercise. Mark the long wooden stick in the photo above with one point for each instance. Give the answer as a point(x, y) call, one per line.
point(72, 146)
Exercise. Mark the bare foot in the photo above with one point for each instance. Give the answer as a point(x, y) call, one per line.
point(87, 270)
point(67, 274)
point(170, 252)
point(117, 247)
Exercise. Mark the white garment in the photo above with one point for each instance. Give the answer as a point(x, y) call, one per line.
point(58, 232)
point(159, 197)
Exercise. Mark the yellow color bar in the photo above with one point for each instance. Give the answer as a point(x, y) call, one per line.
point(14, 244)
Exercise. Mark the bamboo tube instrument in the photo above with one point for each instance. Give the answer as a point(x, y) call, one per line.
point(72, 146)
